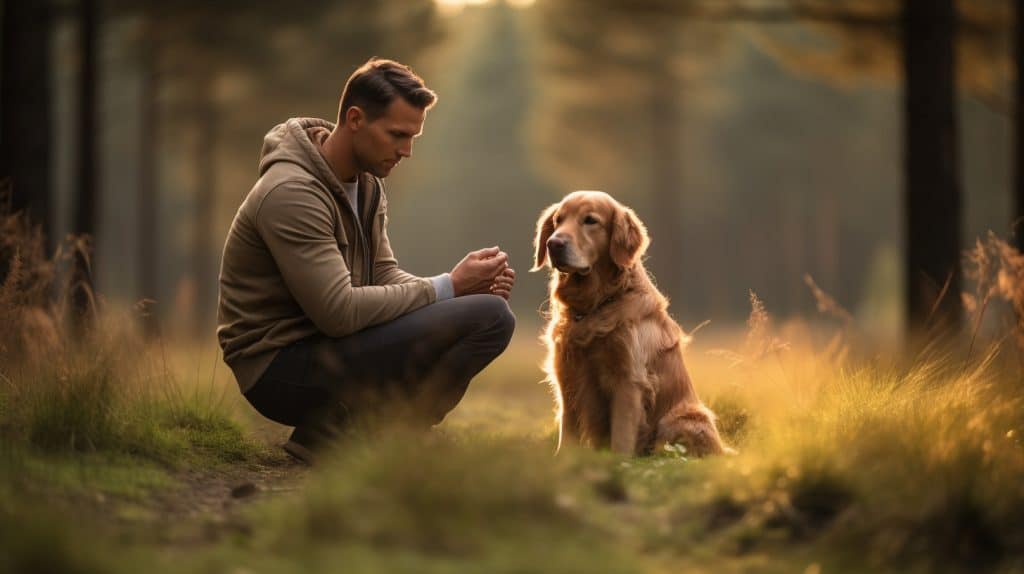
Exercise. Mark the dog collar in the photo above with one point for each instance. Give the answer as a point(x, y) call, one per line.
point(580, 316)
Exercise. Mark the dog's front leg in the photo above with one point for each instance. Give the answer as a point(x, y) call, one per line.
point(627, 413)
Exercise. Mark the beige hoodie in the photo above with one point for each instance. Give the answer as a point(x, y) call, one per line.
point(298, 261)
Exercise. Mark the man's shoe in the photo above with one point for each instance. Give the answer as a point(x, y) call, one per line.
point(308, 441)
point(300, 445)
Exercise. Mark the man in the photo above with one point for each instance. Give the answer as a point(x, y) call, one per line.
point(316, 319)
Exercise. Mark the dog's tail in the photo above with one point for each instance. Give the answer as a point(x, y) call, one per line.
point(693, 426)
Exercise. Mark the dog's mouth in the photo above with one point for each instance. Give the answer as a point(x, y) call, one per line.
point(569, 269)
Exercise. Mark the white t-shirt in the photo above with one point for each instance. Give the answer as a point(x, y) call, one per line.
point(351, 190)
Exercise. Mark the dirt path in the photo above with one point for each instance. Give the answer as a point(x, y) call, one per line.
point(207, 504)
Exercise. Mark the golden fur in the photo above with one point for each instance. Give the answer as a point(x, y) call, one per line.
point(614, 355)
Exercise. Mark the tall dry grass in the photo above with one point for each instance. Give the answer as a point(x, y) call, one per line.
point(103, 389)
point(997, 269)
point(887, 462)
point(29, 309)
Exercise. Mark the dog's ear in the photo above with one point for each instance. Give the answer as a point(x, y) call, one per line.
point(545, 227)
point(629, 238)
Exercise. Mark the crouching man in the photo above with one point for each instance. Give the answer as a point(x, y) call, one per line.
point(316, 319)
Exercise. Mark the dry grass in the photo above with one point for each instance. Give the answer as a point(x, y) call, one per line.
point(908, 466)
point(997, 269)
point(28, 276)
point(101, 390)
point(852, 458)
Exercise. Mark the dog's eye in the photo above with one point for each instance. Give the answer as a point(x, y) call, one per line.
point(589, 220)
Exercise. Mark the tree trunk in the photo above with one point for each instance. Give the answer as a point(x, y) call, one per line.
point(206, 181)
point(932, 186)
point(82, 287)
point(25, 92)
point(1018, 164)
point(149, 137)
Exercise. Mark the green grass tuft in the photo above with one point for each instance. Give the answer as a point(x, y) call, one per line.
point(211, 434)
point(441, 503)
point(75, 412)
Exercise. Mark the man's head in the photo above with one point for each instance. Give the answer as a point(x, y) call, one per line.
point(382, 108)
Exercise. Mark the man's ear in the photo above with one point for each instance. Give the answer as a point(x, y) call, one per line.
point(545, 227)
point(629, 238)
point(355, 117)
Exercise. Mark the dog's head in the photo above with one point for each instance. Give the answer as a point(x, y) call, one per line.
point(589, 229)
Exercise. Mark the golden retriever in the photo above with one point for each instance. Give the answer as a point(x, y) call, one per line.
point(615, 358)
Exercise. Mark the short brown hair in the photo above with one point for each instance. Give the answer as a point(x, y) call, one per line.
point(375, 84)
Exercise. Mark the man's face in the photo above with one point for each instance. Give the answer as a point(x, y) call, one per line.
point(380, 144)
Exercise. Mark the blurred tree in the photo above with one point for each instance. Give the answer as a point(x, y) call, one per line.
point(149, 34)
point(932, 188)
point(148, 231)
point(645, 57)
point(871, 29)
point(866, 37)
point(943, 45)
point(25, 93)
point(201, 43)
point(159, 27)
point(192, 44)
point(605, 60)
point(851, 42)
point(87, 198)
point(1018, 109)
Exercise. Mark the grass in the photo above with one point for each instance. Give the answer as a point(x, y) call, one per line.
point(117, 455)
point(843, 466)
point(106, 399)
point(407, 503)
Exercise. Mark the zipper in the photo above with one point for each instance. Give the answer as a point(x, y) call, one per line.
point(345, 204)
point(362, 226)
point(375, 203)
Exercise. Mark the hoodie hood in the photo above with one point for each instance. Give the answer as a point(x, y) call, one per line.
point(297, 141)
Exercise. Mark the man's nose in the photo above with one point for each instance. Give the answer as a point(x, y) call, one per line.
point(405, 150)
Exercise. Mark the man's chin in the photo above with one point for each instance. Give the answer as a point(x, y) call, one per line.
point(379, 169)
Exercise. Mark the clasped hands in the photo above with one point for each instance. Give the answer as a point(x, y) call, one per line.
point(484, 271)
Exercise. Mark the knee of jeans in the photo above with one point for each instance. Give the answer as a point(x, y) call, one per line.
point(504, 319)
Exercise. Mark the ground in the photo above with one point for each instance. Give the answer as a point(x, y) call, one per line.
point(849, 461)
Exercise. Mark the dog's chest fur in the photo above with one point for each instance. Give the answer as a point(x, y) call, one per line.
point(584, 361)
point(589, 368)
point(613, 353)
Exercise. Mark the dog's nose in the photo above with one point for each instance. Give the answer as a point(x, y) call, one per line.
point(556, 243)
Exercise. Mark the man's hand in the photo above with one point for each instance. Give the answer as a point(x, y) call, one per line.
point(503, 283)
point(477, 271)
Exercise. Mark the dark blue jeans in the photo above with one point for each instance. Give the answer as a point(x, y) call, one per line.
point(419, 364)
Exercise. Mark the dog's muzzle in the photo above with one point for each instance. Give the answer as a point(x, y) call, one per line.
point(564, 258)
